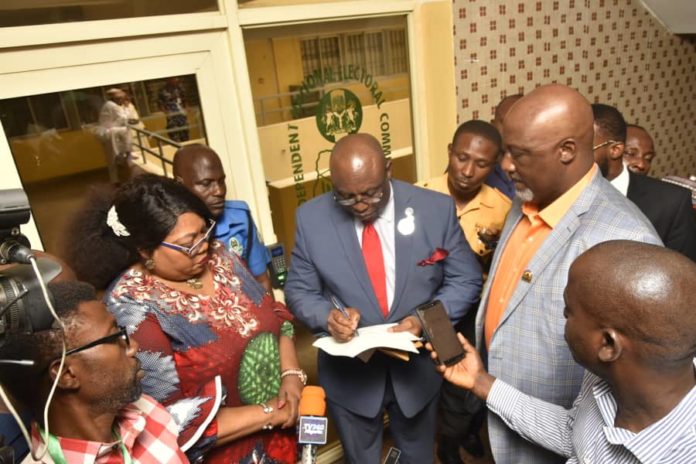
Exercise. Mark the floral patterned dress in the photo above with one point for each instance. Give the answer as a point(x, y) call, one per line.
point(201, 353)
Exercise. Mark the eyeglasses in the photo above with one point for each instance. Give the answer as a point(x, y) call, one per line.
point(122, 334)
point(604, 144)
point(367, 197)
point(193, 249)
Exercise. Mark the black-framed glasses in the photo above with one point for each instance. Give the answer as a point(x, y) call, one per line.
point(193, 249)
point(122, 334)
point(604, 144)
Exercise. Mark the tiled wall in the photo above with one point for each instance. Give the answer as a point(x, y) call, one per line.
point(612, 51)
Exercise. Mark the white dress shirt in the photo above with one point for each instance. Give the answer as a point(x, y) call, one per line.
point(384, 225)
point(620, 182)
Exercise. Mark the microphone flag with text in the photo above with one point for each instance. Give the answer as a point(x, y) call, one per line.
point(312, 426)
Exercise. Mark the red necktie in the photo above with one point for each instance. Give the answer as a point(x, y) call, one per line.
point(374, 261)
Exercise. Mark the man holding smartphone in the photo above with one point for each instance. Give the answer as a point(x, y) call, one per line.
point(629, 321)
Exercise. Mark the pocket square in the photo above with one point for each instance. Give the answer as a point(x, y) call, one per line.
point(438, 255)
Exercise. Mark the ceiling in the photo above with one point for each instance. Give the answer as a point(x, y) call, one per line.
point(679, 16)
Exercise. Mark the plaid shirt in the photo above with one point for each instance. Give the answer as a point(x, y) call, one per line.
point(147, 431)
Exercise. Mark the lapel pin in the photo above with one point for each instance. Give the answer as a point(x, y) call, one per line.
point(527, 276)
point(407, 225)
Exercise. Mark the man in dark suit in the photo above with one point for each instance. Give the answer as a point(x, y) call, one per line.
point(381, 247)
point(640, 150)
point(667, 206)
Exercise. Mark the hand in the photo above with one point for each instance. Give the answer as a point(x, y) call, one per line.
point(489, 237)
point(468, 373)
point(289, 398)
point(343, 328)
point(281, 412)
point(408, 324)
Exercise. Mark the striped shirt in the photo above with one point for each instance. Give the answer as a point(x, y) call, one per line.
point(585, 434)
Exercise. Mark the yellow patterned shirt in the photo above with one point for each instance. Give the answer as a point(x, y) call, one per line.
point(487, 209)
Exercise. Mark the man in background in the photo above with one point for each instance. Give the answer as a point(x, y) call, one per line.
point(199, 168)
point(630, 322)
point(114, 132)
point(380, 247)
point(667, 206)
point(97, 413)
point(481, 210)
point(171, 100)
point(563, 207)
point(498, 178)
point(640, 150)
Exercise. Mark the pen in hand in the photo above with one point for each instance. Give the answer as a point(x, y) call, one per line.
point(338, 305)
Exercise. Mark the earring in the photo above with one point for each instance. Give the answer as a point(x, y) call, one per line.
point(149, 264)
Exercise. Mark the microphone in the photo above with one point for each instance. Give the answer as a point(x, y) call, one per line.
point(312, 427)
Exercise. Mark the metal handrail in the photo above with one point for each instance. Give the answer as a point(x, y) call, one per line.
point(159, 154)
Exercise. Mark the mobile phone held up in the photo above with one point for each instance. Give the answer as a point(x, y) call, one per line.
point(438, 330)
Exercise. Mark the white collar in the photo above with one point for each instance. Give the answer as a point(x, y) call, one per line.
point(621, 181)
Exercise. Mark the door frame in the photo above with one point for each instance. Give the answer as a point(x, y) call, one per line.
point(56, 57)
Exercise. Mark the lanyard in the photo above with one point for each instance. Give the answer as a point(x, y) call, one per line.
point(56, 452)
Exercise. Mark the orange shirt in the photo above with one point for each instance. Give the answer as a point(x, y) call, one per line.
point(521, 247)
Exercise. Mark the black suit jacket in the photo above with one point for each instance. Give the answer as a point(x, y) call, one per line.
point(669, 209)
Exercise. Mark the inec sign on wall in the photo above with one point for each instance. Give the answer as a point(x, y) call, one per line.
point(338, 113)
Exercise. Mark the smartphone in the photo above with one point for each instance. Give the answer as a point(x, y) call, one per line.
point(438, 330)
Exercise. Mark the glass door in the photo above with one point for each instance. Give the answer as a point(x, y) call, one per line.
point(63, 143)
point(85, 122)
point(316, 83)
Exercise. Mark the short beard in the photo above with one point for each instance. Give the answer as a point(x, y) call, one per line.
point(121, 398)
point(525, 195)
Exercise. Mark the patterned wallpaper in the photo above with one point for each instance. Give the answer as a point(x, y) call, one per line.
point(612, 51)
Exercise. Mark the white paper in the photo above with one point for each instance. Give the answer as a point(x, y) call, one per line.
point(375, 336)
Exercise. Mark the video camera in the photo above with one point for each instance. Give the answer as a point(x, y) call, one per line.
point(23, 308)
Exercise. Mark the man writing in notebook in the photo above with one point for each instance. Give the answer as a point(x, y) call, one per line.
point(381, 247)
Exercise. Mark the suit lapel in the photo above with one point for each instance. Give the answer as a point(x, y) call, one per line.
point(635, 191)
point(345, 231)
point(403, 244)
point(553, 243)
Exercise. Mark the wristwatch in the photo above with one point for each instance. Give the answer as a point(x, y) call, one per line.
point(298, 372)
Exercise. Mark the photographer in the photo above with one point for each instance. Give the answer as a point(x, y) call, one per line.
point(9, 429)
point(97, 413)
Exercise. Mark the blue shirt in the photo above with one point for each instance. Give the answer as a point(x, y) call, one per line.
point(13, 436)
point(586, 434)
point(500, 180)
point(236, 229)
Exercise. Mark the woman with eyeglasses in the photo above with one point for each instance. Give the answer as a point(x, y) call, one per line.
point(216, 349)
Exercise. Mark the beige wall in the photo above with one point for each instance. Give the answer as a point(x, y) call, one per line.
point(613, 52)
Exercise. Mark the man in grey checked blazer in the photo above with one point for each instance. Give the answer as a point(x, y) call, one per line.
point(548, 150)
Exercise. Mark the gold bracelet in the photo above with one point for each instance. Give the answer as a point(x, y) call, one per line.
point(296, 371)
